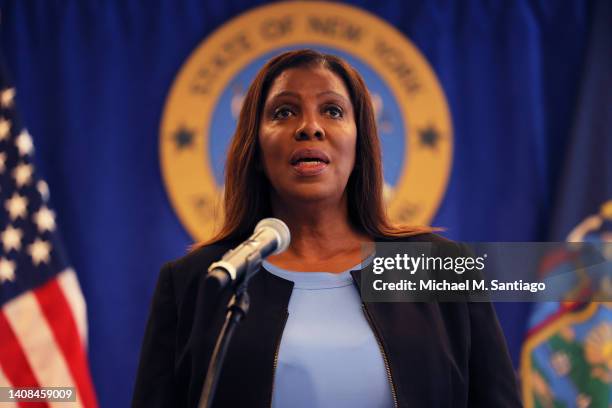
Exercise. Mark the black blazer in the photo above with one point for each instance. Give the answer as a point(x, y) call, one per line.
point(438, 354)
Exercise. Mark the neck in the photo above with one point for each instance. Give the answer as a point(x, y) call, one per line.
point(319, 231)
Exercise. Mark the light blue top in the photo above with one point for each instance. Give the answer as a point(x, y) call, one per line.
point(328, 356)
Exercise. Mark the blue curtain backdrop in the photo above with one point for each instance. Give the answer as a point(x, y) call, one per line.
point(92, 78)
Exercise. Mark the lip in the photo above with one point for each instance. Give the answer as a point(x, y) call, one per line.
point(308, 153)
point(306, 168)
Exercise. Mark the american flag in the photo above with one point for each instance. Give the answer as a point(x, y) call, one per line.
point(43, 327)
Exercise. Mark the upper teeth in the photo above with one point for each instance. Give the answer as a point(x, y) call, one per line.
point(308, 159)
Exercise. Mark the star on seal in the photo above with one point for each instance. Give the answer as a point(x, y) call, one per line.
point(183, 138)
point(429, 137)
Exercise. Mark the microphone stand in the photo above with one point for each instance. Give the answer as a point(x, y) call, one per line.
point(237, 309)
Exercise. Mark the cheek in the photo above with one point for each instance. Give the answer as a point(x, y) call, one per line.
point(270, 153)
point(349, 150)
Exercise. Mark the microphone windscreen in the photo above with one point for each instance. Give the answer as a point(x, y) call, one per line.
point(280, 229)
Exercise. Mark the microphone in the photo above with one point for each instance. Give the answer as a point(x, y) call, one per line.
point(271, 236)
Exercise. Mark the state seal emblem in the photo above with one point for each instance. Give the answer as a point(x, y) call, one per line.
point(204, 101)
point(566, 359)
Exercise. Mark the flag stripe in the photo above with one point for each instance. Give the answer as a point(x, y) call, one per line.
point(30, 326)
point(4, 382)
point(13, 361)
point(57, 311)
point(72, 291)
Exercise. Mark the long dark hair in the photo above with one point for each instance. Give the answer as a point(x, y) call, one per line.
point(247, 190)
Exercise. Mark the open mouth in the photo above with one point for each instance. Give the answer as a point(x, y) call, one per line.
point(309, 156)
point(308, 162)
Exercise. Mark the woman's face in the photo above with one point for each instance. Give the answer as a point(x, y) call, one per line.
point(308, 135)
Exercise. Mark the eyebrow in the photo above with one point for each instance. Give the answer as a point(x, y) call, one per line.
point(332, 93)
point(296, 95)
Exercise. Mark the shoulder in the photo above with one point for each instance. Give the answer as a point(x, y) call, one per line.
point(199, 257)
point(186, 270)
point(441, 246)
point(423, 237)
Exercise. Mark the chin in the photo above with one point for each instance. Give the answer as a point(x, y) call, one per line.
point(311, 193)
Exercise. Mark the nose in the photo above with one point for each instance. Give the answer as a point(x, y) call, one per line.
point(309, 129)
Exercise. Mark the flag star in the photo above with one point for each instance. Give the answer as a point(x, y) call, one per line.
point(39, 251)
point(24, 142)
point(22, 174)
point(2, 162)
point(43, 189)
point(6, 97)
point(45, 219)
point(11, 238)
point(5, 128)
point(16, 206)
point(7, 270)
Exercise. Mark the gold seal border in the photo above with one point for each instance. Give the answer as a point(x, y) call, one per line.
point(187, 174)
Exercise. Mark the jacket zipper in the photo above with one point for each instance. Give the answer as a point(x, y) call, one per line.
point(275, 363)
point(382, 351)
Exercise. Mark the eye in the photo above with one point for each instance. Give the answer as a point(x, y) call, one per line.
point(334, 111)
point(282, 112)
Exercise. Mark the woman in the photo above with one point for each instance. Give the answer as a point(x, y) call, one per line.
point(306, 151)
